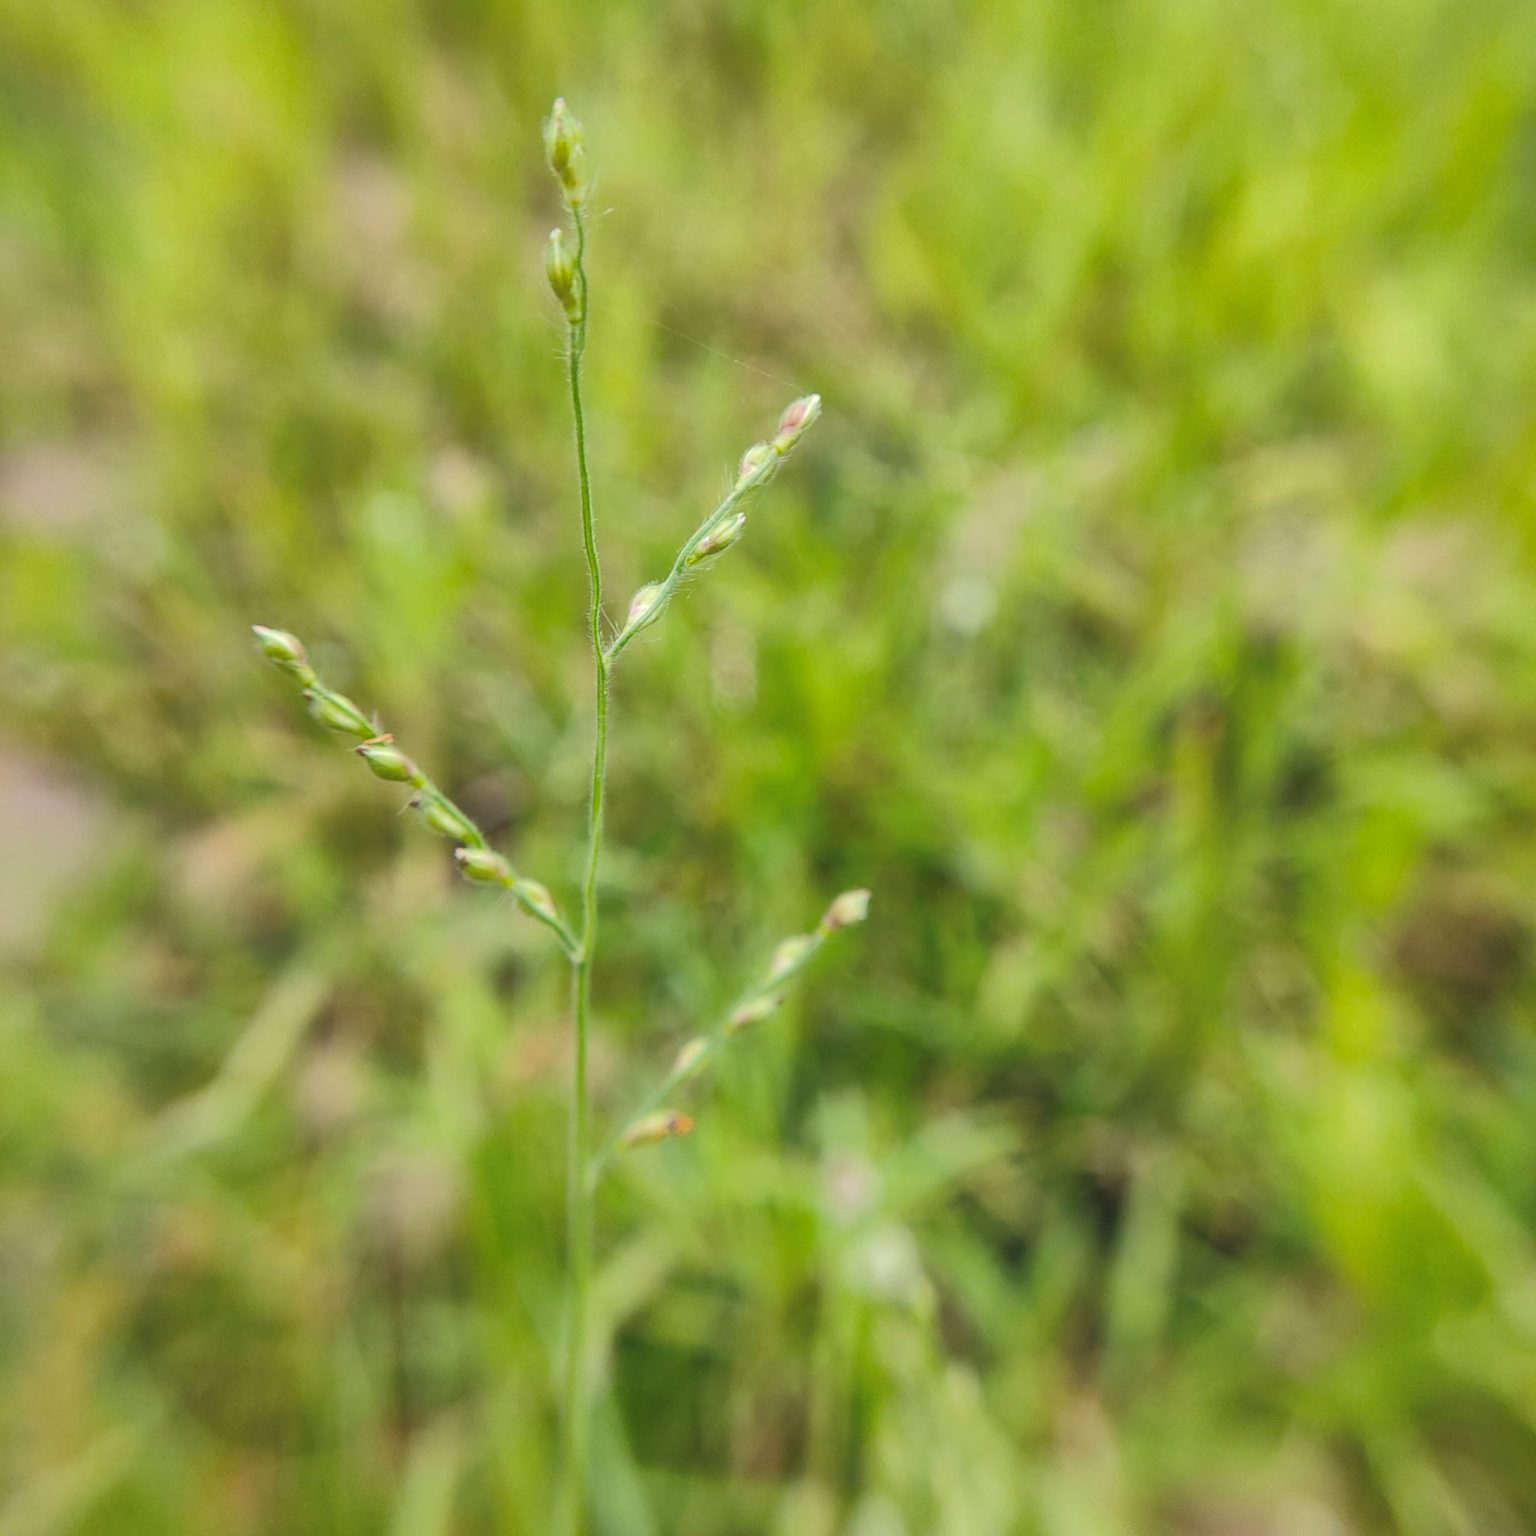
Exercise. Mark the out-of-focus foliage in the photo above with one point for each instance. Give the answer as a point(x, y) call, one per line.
point(1151, 622)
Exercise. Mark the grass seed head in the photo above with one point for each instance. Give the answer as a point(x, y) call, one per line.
point(560, 268)
point(642, 606)
point(446, 818)
point(690, 1059)
point(720, 540)
point(846, 910)
point(536, 898)
point(752, 462)
point(338, 713)
point(752, 1012)
point(797, 420)
point(483, 866)
point(656, 1127)
point(565, 149)
point(285, 652)
point(390, 763)
point(789, 954)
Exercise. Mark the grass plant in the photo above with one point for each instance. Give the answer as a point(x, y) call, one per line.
point(659, 1118)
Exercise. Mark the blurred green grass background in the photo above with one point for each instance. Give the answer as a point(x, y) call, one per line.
point(1151, 622)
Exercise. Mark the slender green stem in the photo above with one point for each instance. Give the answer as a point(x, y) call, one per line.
point(578, 1189)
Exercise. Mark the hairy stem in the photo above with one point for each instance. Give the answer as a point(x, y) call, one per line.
point(578, 1189)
